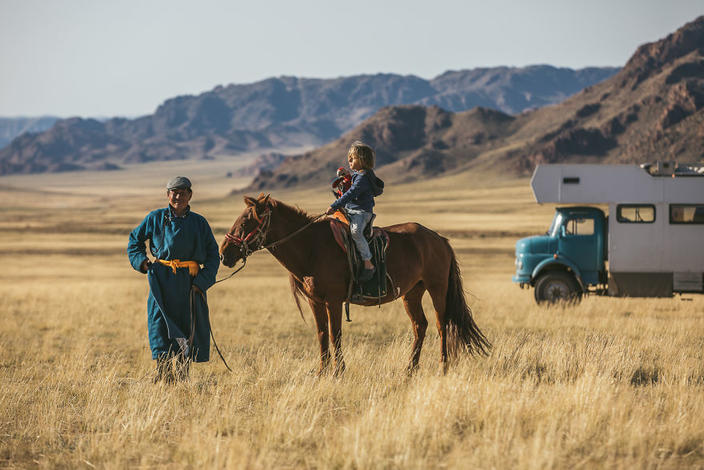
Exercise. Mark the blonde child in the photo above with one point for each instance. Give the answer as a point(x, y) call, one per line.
point(358, 201)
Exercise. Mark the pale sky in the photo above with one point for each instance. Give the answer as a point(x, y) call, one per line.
point(125, 57)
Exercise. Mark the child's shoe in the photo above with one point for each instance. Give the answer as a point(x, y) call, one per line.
point(366, 274)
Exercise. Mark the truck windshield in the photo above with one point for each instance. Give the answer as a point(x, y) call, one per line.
point(555, 226)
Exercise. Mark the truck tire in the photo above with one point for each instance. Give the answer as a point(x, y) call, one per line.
point(557, 286)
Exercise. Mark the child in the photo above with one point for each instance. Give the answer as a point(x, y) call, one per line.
point(358, 201)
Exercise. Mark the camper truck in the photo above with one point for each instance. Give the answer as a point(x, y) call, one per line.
point(650, 244)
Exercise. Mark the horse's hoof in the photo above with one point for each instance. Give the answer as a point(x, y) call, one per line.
point(317, 371)
point(340, 370)
point(322, 370)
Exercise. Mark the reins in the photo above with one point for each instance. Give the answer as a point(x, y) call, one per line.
point(291, 235)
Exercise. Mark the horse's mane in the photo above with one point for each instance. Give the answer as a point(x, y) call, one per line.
point(293, 212)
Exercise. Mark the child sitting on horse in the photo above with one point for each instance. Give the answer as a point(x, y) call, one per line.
point(358, 200)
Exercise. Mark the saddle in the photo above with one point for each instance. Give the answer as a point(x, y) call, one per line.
point(378, 286)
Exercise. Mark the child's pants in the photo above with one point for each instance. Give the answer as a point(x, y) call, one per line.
point(359, 220)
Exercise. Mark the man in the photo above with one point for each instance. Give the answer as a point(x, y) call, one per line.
point(186, 263)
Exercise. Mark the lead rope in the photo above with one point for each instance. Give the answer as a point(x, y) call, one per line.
point(216, 345)
point(210, 329)
point(244, 263)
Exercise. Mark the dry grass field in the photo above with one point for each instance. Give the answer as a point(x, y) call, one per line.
point(610, 383)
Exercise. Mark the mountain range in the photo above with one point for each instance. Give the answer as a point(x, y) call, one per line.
point(281, 112)
point(652, 109)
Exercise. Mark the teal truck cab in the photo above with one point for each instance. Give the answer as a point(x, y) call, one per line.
point(569, 259)
point(650, 244)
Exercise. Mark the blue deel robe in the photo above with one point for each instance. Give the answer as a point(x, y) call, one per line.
point(186, 238)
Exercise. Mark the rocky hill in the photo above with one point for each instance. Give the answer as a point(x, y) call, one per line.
point(410, 142)
point(281, 112)
point(13, 127)
point(652, 109)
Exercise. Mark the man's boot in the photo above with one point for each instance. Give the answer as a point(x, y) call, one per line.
point(163, 370)
point(182, 366)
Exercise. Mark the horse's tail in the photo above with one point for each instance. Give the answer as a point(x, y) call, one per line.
point(297, 291)
point(460, 324)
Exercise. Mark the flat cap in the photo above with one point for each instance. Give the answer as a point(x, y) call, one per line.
point(179, 182)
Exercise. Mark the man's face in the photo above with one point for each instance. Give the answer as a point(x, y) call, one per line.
point(179, 198)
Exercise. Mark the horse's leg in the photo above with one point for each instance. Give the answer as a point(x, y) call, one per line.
point(438, 294)
point(412, 301)
point(321, 322)
point(335, 319)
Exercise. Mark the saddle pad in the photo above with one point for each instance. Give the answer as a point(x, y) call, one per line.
point(339, 228)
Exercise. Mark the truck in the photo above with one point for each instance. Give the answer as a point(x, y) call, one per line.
point(619, 230)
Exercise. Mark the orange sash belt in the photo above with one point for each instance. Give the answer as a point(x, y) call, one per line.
point(192, 266)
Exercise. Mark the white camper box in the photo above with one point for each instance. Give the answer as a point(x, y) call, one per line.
point(652, 255)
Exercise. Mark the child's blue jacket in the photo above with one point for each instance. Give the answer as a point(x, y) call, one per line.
point(360, 196)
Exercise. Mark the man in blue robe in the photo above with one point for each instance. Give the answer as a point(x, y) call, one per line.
point(186, 263)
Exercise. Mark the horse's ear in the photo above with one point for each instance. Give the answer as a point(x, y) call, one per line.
point(250, 201)
point(265, 201)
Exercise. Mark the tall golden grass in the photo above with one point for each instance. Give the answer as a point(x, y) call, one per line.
point(608, 383)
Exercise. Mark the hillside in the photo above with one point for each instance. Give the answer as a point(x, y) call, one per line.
point(410, 142)
point(652, 109)
point(280, 112)
point(12, 127)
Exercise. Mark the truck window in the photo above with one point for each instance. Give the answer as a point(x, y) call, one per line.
point(687, 213)
point(635, 213)
point(583, 226)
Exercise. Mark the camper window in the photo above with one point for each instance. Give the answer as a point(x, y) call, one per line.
point(687, 213)
point(635, 213)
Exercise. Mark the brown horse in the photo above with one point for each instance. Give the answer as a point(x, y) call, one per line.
point(418, 259)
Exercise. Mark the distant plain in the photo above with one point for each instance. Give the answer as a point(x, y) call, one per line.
point(608, 383)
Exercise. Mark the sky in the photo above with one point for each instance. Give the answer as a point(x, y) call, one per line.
point(96, 58)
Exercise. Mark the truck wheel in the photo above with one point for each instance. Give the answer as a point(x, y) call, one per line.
point(557, 286)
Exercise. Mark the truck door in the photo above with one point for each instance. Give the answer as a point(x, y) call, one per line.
point(579, 242)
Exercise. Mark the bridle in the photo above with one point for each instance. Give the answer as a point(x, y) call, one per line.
point(254, 240)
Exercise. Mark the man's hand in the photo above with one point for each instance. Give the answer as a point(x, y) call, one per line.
point(330, 211)
point(145, 266)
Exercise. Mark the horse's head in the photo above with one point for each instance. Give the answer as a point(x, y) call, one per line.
point(248, 233)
